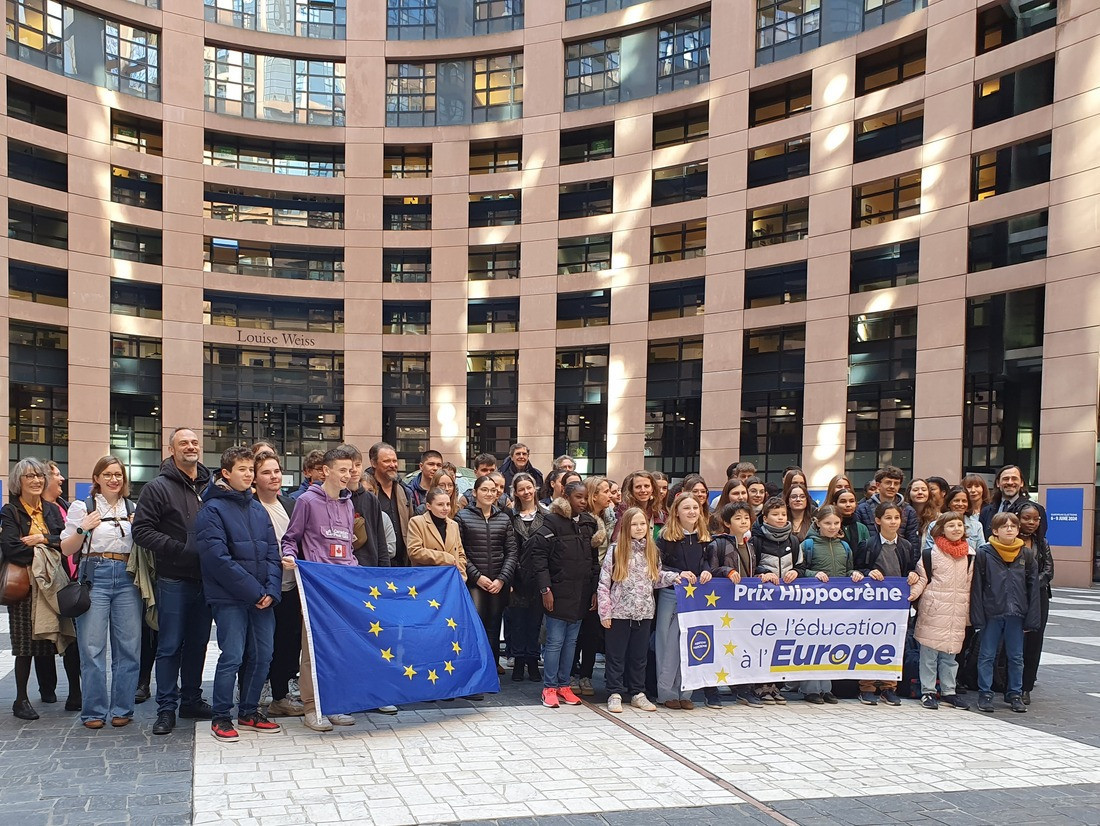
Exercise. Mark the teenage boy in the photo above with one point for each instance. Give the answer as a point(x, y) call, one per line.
point(430, 463)
point(885, 553)
point(322, 529)
point(888, 480)
point(242, 580)
point(313, 472)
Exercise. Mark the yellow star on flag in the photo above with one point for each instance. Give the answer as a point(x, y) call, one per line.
point(689, 590)
point(712, 599)
point(433, 603)
point(726, 620)
point(730, 648)
point(392, 587)
point(433, 676)
point(387, 654)
point(451, 623)
point(374, 592)
point(375, 628)
point(456, 647)
point(410, 672)
point(448, 667)
point(412, 591)
point(721, 676)
point(369, 605)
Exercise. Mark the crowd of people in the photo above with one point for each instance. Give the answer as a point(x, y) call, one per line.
point(561, 568)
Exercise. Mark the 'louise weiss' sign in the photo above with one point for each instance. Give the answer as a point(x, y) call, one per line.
point(754, 632)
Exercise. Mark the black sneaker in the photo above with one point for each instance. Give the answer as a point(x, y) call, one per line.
point(1017, 704)
point(868, 698)
point(890, 697)
point(1026, 696)
point(166, 721)
point(198, 711)
point(928, 701)
point(222, 729)
point(814, 698)
point(955, 701)
point(143, 693)
point(830, 698)
point(257, 722)
point(985, 702)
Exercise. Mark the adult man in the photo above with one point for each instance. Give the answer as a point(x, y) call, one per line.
point(564, 462)
point(430, 463)
point(519, 461)
point(163, 521)
point(889, 481)
point(313, 472)
point(1009, 495)
point(370, 540)
point(392, 496)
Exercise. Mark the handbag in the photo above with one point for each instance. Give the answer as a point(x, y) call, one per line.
point(15, 583)
point(76, 598)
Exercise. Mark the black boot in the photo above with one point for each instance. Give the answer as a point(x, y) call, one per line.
point(533, 673)
point(517, 669)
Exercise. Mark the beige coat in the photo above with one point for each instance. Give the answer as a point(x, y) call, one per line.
point(48, 576)
point(944, 608)
point(426, 547)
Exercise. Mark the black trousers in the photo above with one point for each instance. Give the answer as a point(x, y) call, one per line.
point(626, 644)
point(45, 669)
point(148, 653)
point(1033, 642)
point(524, 618)
point(287, 652)
point(590, 641)
point(490, 608)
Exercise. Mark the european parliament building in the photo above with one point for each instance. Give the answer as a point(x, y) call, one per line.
point(667, 234)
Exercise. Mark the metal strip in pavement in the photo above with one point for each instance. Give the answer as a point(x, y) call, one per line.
point(759, 805)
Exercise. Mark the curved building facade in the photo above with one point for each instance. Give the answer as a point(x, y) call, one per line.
point(671, 234)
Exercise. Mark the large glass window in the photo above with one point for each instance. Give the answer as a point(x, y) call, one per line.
point(683, 52)
point(786, 27)
point(585, 309)
point(273, 209)
point(677, 242)
point(233, 310)
point(781, 101)
point(255, 258)
point(38, 392)
point(674, 389)
point(38, 165)
point(778, 223)
point(136, 298)
point(492, 315)
point(136, 188)
point(37, 106)
point(407, 161)
point(493, 262)
point(1011, 241)
point(139, 134)
point(496, 209)
point(587, 8)
point(585, 199)
point(770, 286)
point(1014, 93)
point(407, 317)
point(591, 144)
point(38, 225)
point(584, 253)
point(1010, 168)
point(890, 66)
point(1004, 23)
point(580, 408)
point(310, 18)
point(492, 392)
point(773, 368)
point(406, 384)
point(407, 266)
point(498, 87)
point(894, 265)
point(674, 184)
point(877, 202)
point(132, 243)
point(681, 126)
point(407, 212)
point(780, 161)
point(889, 132)
point(427, 20)
point(135, 406)
point(677, 299)
point(591, 73)
point(496, 156)
point(273, 87)
point(316, 160)
point(38, 283)
point(410, 94)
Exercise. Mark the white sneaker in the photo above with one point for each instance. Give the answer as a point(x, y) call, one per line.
point(615, 704)
point(265, 694)
point(293, 690)
point(387, 710)
point(341, 719)
point(642, 703)
point(317, 722)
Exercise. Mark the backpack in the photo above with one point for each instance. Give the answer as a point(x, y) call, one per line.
point(926, 560)
point(90, 505)
point(808, 549)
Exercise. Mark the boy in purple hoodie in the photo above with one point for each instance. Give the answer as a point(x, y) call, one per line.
point(322, 529)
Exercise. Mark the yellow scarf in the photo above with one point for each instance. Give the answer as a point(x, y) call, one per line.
point(1007, 552)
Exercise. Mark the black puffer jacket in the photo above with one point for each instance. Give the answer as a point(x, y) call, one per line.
point(1001, 589)
point(164, 521)
point(564, 561)
point(490, 544)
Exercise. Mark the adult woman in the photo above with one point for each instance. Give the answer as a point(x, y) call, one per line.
point(524, 614)
point(490, 544)
point(757, 492)
point(958, 500)
point(638, 488)
point(55, 488)
point(434, 538)
point(919, 497)
point(445, 480)
point(854, 531)
point(660, 498)
point(103, 536)
point(977, 490)
point(800, 511)
point(937, 492)
point(28, 522)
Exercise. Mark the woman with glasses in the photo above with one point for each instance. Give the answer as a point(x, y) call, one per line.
point(26, 522)
point(99, 529)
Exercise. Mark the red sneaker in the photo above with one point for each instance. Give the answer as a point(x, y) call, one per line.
point(258, 722)
point(550, 697)
point(223, 730)
point(568, 697)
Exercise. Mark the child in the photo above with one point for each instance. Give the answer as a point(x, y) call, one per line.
point(629, 573)
point(943, 585)
point(887, 553)
point(1004, 603)
point(825, 555)
point(757, 492)
point(1031, 532)
point(682, 545)
point(778, 557)
point(731, 555)
point(434, 538)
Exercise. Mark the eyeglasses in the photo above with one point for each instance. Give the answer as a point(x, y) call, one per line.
point(33, 476)
point(116, 477)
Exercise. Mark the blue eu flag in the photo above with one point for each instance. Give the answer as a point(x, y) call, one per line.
point(387, 636)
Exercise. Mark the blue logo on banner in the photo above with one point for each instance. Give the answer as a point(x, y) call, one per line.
point(1065, 516)
point(700, 645)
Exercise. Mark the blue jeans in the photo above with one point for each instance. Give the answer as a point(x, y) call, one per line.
point(184, 620)
point(115, 612)
point(246, 635)
point(557, 657)
point(1011, 629)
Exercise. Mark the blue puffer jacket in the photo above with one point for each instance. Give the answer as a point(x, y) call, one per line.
point(238, 551)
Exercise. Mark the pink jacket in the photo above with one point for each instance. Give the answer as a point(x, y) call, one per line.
point(944, 608)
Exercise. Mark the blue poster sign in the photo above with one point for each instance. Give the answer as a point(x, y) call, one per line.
point(83, 490)
point(1065, 516)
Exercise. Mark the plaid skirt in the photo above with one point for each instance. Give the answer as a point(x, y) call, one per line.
point(19, 622)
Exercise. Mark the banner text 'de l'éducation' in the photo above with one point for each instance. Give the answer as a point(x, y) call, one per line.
point(754, 632)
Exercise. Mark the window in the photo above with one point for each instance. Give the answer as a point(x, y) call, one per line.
point(406, 317)
point(591, 73)
point(132, 60)
point(135, 405)
point(683, 52)
point(403, 161)
point(580, 410)
point(325, 19)
point(411, 19)
point(492, 380)
point(785, 28)
point(139, 244)
point(773, 370)
point(1011, 168)
point(497, 315)
point(1012, 241)
point(406, 383)
point(886, 200)
point(592, 144)
point(1002, 24)
point(407, 212)
point(38, 165)
point(585, 199)
point(409, 266)
point(774, 103)
point(270, 87)
point(495, 209)
point(894, 265)
point(770, 286)
point(38, 283)
point(139, 134)
point(273, 209)
point(681, 126)
point(496, 156)
point(882, 362)
point(676, 299)
point(778, 223)
point(410, 94)
point(273, 260)
point(38, 396)
point(492, 16)
point(584, 253)
point(889, 132)
point(136, 188)
point(232, 310)
point(587, 309)
point(37, 225)
point(498, 87)
point(677, 242)
point(317, 160)
point(37, 106)
point(779, 161)
point(424, 20)
point(136, 298)
point(587, 8)
point(291, 396)
point(890, 66)
point(1023, 90)
point(493, 262)
point(675, 184)
point(674, 388)
point(877, 12)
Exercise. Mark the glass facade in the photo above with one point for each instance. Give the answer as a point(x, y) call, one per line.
point(274, 87)
point(440, 19)
point(674, 390)
point(38, 393)
point(773, 368)
point(300, 18)
point(136, 367)
point(580, 407)
point(475, 90)
point(785, 28)
point(492, 396)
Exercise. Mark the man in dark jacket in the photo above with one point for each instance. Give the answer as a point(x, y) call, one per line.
point(370, 544)
point(242, 580)
point(519, 461)
point(163, 523)
point(430, 463)
point(1009, 496)
point(566, 571)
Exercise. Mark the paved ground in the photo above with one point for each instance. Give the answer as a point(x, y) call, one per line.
point(509, 761)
